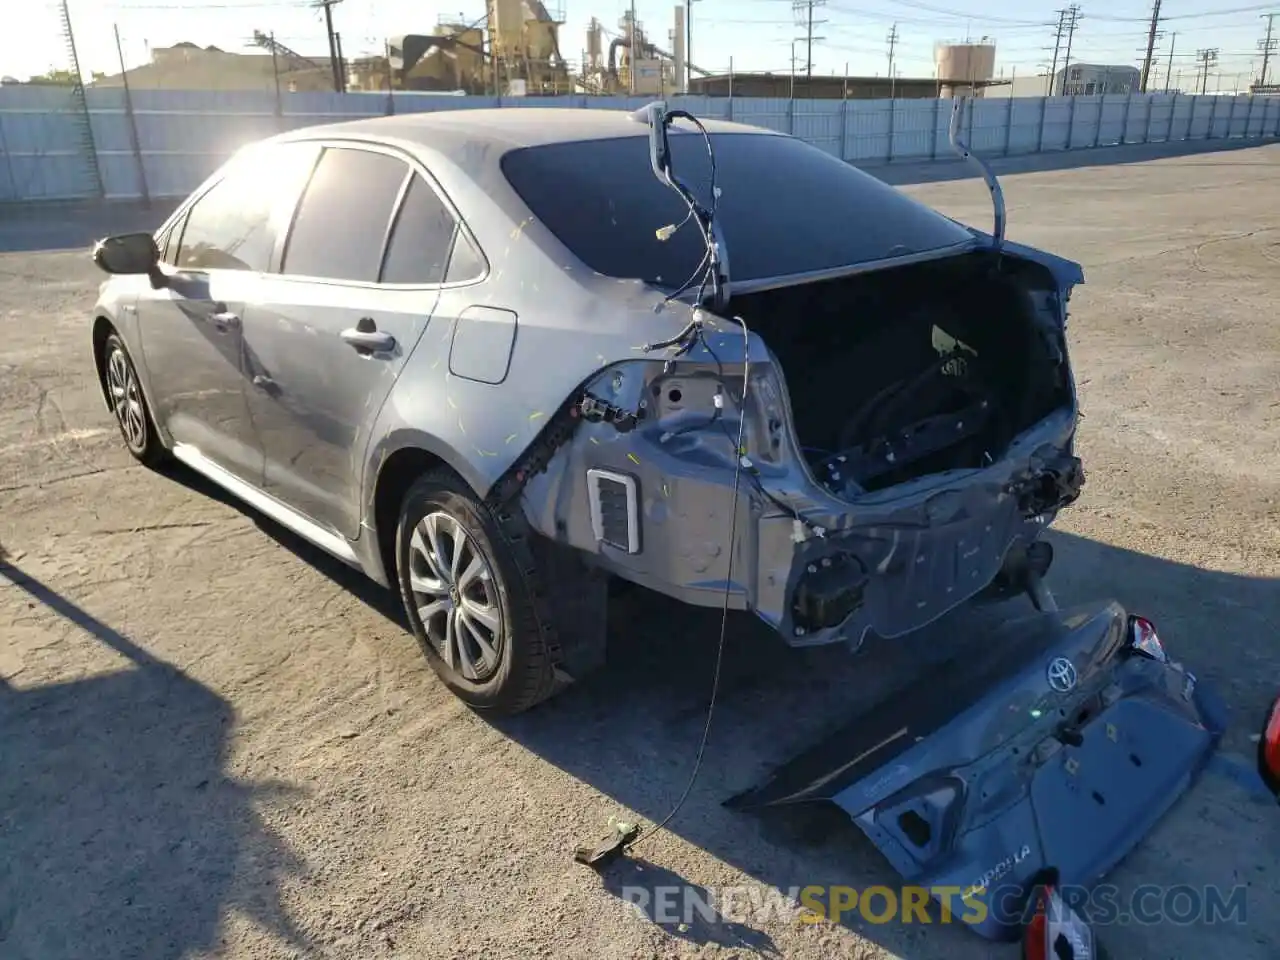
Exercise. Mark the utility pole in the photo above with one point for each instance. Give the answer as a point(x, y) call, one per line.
point(1268, 47)
point(1073, 19)
point(327, 5)
point(1057, 45)
point(1151, 45)
point(892, 40)
point(803, 10)
point(1173, 39)
point(1207, 58)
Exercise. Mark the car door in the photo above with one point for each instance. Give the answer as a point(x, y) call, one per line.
point(360, 273)
point(191, 328)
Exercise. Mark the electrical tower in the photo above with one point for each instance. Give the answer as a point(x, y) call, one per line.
point(892, 40)
point(1151, 45)
point(1267, 46)
point(1206, 58)
point(804, 20)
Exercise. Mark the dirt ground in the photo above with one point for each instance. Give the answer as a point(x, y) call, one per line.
point(216, 742)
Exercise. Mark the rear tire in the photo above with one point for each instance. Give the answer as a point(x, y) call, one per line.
point(470, 599)
point(128, 404)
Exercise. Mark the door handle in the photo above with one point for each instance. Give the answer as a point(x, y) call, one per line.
point(369, 339)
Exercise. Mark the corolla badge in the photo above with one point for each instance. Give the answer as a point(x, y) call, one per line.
point(996, 872)
point(1061, 675)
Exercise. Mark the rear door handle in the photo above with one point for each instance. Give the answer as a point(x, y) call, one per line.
point(368, 341)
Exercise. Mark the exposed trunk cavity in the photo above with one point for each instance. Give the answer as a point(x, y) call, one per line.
point(900, 373)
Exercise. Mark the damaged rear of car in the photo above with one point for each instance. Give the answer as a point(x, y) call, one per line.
point(876, 427)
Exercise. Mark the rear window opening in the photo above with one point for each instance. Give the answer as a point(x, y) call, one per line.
point(786, 207)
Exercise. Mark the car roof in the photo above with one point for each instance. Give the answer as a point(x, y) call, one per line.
point(504, 127)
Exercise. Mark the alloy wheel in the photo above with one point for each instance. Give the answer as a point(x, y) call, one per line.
point(455, 596)
point(126, 399)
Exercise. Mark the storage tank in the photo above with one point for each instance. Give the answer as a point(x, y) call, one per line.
point(506, 24)
point(970, 62)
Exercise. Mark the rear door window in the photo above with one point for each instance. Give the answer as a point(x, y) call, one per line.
point(418, 251)
point(340, 226)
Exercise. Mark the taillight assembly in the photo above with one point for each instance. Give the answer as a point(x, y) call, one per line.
point(1144, 640)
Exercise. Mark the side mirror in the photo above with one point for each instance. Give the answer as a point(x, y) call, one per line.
point(128, 253)
point(1269, 750)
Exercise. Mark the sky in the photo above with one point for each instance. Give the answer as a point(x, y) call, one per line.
point(752, 35)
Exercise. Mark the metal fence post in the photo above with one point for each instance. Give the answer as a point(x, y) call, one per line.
point(1124, 122)
point(844, 129)
point(1044, 108)
point(937, 115)
point(1097, 126)
point(1008, 126)
point(1213, 115)
point(791, 115)
point(1173, 110)
point(892, 112)
point(1071, 123)
point(1231, 117)
point(1248, 118)
point(1146, 123)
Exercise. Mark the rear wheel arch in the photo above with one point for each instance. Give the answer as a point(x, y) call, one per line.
point(395, 476)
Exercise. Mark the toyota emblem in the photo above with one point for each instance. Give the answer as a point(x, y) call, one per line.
point(1061, 674)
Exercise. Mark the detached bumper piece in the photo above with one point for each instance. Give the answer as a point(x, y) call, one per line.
point(1059, 747)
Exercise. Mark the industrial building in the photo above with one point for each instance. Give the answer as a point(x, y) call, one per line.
point(960, 69)
point(515, 50)
point(1092, 79)
point(784, 85)
point(188, 66)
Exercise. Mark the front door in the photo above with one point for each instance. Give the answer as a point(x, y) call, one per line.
point(328, 337)
point(192, 329)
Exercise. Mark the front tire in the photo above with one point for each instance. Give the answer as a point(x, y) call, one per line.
point(470, 599)
point(127, 403)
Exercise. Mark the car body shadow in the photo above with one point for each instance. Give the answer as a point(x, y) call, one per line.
point(632, 731)
point(121, 834)
point(378, 598)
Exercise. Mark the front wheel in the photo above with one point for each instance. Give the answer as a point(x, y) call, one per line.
point(470, 600)
point(128, 405)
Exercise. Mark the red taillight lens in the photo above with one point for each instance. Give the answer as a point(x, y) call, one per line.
point(1269, 750)
point(1035, 944)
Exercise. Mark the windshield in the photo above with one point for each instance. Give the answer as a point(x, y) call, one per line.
point(786, 207)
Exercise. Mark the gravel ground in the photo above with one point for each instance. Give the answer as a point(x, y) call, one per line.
point(216, 742)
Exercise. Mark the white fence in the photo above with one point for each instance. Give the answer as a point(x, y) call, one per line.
point(165, 142)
